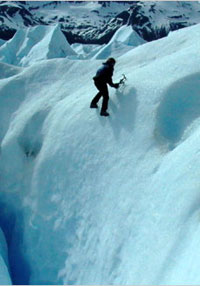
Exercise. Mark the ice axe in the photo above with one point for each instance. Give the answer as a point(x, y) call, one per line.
point(122, 80)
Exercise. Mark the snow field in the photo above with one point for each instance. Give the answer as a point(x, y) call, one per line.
point(94, 200)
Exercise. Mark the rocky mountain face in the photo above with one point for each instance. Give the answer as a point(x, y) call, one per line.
point(154, 20)
point(95, 22)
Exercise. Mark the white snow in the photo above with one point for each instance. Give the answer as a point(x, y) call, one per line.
point(89, 200)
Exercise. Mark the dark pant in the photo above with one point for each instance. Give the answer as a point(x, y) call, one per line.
point(103, 92)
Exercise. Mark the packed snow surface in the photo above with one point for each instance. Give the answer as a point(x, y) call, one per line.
point(92, 200)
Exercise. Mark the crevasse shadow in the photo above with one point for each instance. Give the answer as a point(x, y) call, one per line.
point(179, 107)
point(18, 265)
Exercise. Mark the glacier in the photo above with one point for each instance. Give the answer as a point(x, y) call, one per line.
point(90, 200)
point(35, 44)
point(123, 40)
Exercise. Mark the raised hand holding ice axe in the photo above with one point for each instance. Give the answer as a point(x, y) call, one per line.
point(122, 80)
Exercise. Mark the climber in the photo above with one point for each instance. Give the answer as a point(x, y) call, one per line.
point(102, 78)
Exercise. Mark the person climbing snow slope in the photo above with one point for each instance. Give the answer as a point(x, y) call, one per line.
point(101, 79)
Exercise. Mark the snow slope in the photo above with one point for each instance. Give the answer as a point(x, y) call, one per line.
point(93, 200)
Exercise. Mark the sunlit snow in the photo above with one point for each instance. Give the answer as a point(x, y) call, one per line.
point(92, 200)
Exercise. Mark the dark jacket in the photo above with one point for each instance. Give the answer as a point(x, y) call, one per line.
point(104, 74)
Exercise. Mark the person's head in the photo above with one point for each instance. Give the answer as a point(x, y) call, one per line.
point(111, 61)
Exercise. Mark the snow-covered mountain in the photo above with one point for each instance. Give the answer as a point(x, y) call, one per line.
point(89, 200)
point(93, 22)
point(88, 22)
point(153, 20)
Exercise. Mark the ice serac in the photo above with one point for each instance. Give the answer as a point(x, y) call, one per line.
point(124, 40)
point(88, 200)
point(34, 44)
point(128, 36)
